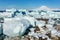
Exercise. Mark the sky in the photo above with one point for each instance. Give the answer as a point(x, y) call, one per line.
point(29, 4)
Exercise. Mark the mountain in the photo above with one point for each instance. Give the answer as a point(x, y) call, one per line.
point(43, 8)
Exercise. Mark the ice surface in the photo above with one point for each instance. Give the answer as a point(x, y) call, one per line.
point(17, 25)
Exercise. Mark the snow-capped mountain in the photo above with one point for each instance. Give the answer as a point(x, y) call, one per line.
point(43, 8)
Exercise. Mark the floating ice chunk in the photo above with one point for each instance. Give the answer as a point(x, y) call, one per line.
point(58, 22)
point(40, 23)
point(43, 13)
point(26, 24)
point(6, 14)
point(53, 32)
point(35, 35)
point(32, 29)
point(9, 26)
point(33, 13)
point(37, 16)
point(49, 39)
point(58, 34)
point(51, 21)
point(41, 29)
point(52, 15)
point(16, 26)
point(30, 19)
point(31, 33)
point(49, 26)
